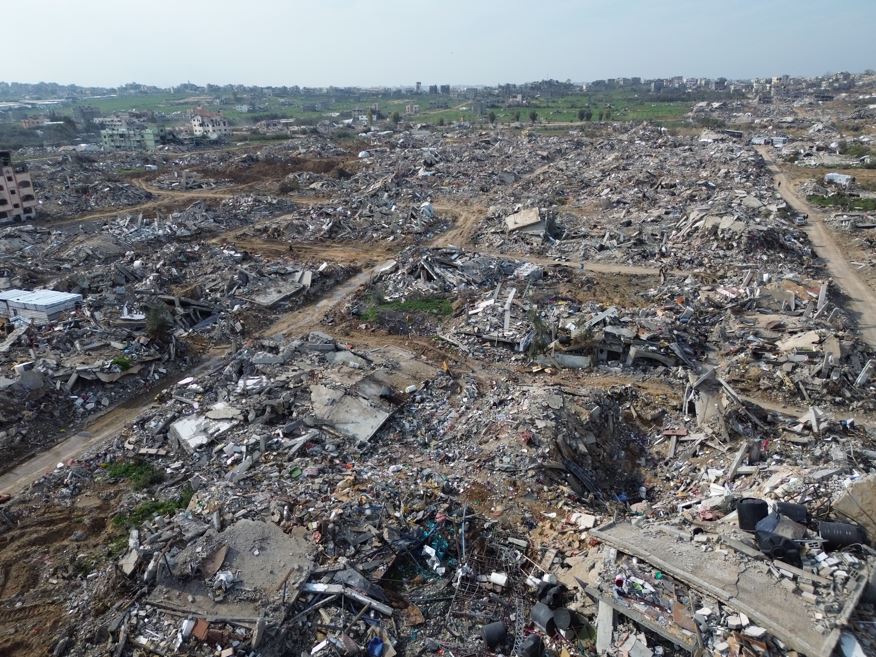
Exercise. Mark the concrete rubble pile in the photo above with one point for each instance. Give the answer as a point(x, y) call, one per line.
point(56, 374)
point(778, 332)
point(74, 183)
point(287, 523)
point(78, 183)
point(130, 326)
point(199, 218)
point(714, 206)
point(376, 214)
point(134, 317)
point(186, 180)
point(426, 272)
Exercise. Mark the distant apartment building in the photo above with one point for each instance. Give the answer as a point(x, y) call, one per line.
point(210, 125)
point(32, 122)
point(17, 200)
point(114, 122)
point(128, 139)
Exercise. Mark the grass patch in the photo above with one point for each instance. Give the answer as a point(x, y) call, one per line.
point(151, 508)
point(855, 149)
point(123, 362)
point(433, 305)
point(117, 546)
point(140, 474)
point(843, 202)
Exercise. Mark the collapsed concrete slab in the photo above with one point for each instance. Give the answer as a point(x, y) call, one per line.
point(237, 572)
point(350, 415)
point(528, 221)
point(196, 431)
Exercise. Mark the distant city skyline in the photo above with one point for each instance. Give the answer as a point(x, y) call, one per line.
point(393, 43)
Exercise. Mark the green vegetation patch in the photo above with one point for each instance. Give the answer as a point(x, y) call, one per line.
point(123, 362)
point(855, 149)
point(433, 305)
point(140, 474)
point(843, 202)
point(151, 508)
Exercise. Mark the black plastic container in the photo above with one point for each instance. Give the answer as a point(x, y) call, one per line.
point(750, 511)
point(796, 512)
point(775, 545)
point(532, 646)
point(840, 534)
point(543, 617)
point(779, 547)
point(494, 634)
point(562, 618)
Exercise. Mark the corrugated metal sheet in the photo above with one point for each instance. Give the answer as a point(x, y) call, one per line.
point(11, 294)
point(41, 306)
point(40, 298)
point(47, 298)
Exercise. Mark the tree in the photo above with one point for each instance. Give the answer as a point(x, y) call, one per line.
point(533, 116)
point(396, 117)
point(585, 114)
point(441, 121)
point(492, 117)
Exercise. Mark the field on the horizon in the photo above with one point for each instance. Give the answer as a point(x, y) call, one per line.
point(617, 105)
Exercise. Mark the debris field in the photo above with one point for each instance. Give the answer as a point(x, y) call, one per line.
point(460, 391)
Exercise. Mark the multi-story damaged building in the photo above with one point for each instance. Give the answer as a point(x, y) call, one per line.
point(17, 200)
point(128, 139)
point(210, 125)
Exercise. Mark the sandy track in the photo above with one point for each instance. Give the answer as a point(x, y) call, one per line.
point(861, 298)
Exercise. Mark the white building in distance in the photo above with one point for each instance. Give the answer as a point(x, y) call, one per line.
point(210, 125)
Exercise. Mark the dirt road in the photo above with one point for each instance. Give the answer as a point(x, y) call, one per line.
point(309, 317)
point(189, 194)
point(861, 302)
point(335, 252)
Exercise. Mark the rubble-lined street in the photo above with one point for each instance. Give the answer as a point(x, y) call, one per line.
point(463, 390)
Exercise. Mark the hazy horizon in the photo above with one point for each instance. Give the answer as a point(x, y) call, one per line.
point(394, 43)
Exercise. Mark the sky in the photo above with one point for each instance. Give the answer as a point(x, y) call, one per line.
point(460, 42)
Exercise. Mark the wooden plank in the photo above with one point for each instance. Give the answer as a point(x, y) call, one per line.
point(737, 461)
